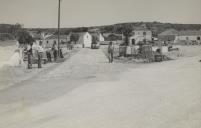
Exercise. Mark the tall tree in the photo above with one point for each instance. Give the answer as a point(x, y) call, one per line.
point(127, 33)
point(24, 37)
point(74, 38)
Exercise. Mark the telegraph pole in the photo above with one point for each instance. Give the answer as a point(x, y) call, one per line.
point(59, 28)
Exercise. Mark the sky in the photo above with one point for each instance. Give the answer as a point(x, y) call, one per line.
point(84, 13)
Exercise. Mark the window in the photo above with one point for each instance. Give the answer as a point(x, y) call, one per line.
point(144, 33)
point(198, 38)
point(187, 38)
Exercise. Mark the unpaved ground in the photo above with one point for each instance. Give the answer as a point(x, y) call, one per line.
point(10, 76)
point(86, 91)
point(7, 49)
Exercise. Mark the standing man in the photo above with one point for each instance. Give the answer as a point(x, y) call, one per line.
point(48, 50)
point(40, 54)
point(30, 54)
point(55, 50)
point(110, 51)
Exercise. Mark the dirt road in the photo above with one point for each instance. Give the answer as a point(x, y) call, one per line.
point(88, 92)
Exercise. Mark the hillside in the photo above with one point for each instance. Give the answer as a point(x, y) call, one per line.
point(9, 31)
point(156, 27)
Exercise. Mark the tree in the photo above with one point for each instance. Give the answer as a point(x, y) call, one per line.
point(127, 33)
point(74, 37)
point(94, 39)
point(24, 37)
point(113, 37)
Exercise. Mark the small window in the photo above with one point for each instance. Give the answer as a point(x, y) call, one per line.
point(144, 33)
point(133, 41)
point(187, 38)
point(198, 38)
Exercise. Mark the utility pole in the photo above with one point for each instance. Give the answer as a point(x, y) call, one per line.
point(59, 28)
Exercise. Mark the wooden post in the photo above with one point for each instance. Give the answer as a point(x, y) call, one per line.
point(29, 60)
point(39, 60)
point(59, 28)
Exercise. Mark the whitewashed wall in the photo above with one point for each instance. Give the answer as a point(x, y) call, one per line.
point(191, 38)
point(139, 36)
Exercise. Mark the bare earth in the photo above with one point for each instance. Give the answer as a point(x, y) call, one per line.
point(88, 92)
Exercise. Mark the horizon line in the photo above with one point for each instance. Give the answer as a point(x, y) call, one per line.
point(130, 22)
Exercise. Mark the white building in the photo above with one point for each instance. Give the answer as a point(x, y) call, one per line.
point(101, 38)
point(85, 39)
point(188, 35)
point(140, 35)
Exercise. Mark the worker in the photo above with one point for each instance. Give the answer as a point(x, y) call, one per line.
point(48, 51)
point(110, 51)
point(55, 50)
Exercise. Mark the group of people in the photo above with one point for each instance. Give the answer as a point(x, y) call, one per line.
point(41, 51)
point(51, 49)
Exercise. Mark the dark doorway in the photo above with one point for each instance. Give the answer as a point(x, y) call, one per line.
point(133, 41)
point(198, 38)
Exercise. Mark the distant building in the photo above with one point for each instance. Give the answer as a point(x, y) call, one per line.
point(140, 35)
point(177, 36)
point(100, 37)
point(113, 36)
point(189, 35)
point(54, 38)
point(85, 39)
point(168, 35)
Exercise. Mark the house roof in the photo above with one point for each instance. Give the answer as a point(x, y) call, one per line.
point(107, 34)
point(181, 33)
point(189, 33)
point(169, 32)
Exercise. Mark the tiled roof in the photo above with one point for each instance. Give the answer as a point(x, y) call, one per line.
point(169, 32)
point(189, 33)
point(181, 33)
point(107, 34)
